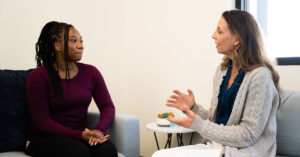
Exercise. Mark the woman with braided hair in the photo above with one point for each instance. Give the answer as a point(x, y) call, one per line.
point(59, 92)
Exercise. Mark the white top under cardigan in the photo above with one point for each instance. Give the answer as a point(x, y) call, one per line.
point(251, 128)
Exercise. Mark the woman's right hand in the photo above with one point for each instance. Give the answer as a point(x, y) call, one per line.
point(98, 138)
point(180, 99)
point(93, 137)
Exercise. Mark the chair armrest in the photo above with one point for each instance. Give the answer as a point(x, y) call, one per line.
point(124, 132)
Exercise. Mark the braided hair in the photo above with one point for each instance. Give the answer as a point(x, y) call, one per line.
point(45, 51)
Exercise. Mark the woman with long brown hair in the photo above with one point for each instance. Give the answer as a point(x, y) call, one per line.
point(241, 120)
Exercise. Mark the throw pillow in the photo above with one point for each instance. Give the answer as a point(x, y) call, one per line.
point(14, 112)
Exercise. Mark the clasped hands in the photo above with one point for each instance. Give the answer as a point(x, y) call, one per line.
point(94, 137)
point(183, 102)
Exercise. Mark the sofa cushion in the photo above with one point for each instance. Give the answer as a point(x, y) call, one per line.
point(22, 154)
point(13, 154)
point(14, 113)
point(288, 125)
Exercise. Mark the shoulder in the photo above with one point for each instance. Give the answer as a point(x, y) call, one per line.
point(260, 77)
point(260, 73)
point(39, 72)
point(89, 71)
point(38, 76)
point(87, 67)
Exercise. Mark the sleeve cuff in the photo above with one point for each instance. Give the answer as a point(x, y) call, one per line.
point(196, 124)
point(102, 130)
point(195, 108)
point(78, 135)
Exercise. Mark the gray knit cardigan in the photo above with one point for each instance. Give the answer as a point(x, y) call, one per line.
point(251, 128)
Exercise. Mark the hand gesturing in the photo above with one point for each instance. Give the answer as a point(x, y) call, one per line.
point(186, 121)
point(179, 99)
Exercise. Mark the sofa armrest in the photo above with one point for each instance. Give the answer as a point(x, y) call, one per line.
point(124, 132)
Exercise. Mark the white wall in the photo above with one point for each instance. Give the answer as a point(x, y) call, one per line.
point(144, 48)
point(289, 77)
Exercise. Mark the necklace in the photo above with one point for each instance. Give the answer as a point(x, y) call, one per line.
point(233, 75)
point(232, 78)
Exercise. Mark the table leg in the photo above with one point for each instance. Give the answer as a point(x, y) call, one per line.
point(156, 141)
point(170, 140)
point(168, 143)
point(191, 138)
point(179, 139)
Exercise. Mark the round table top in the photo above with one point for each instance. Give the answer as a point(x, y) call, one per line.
point(169, 129)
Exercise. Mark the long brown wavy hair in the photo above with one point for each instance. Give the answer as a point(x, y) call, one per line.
point(250, 53)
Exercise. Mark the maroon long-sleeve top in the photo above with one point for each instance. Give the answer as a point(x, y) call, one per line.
point(67, 115)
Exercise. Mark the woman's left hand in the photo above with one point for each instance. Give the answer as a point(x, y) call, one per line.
point(186, 121)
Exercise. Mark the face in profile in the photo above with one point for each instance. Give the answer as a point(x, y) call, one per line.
point(224, 39)
point(75, 45)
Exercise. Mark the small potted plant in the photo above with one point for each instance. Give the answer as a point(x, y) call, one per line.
point(161, 119)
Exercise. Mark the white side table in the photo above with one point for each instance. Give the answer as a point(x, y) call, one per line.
point(179, 130)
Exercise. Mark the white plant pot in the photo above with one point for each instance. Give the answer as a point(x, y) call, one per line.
point(162, 122)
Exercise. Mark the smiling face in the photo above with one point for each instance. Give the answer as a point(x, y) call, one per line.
point(224, 39)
